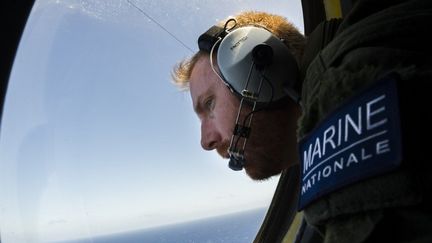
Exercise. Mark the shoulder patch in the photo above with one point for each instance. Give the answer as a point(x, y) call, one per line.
point(358, 140)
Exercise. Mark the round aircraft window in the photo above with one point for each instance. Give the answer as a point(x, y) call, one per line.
point(97, 144)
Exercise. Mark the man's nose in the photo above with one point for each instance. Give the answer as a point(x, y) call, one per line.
point(210, 137)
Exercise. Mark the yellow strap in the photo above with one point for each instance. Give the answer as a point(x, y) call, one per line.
point(292, 231)
point(333, 9)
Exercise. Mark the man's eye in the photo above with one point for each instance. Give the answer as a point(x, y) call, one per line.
point(209, 104)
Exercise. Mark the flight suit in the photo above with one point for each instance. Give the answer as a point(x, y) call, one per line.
point(377, 39)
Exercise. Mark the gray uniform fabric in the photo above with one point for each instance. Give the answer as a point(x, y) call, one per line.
point(375, 40)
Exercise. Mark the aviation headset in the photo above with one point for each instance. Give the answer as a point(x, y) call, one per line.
point(257, 66)
point(254, 63)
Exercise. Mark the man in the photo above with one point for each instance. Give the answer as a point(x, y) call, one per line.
point(271, 144)
point(273, 128)
point(365, 175)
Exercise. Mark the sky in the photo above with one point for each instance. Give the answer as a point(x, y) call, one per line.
point(95, 138)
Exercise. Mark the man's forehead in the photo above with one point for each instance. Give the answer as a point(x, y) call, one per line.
point(203, 73)
point(201, 81)
point(202, 65)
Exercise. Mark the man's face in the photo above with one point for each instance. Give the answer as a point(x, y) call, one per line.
point(272, 142)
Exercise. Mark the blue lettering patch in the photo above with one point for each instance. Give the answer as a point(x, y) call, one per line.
point(358, 140)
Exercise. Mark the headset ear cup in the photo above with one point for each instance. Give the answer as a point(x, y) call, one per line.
point(275, 66)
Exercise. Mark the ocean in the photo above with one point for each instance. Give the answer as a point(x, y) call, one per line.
point(233, 228)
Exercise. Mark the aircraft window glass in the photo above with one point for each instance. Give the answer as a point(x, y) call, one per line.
point(95, 139)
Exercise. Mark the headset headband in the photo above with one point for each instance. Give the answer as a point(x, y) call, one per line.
point(208, 39)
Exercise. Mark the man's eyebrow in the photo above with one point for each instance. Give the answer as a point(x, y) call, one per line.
point(198, 105)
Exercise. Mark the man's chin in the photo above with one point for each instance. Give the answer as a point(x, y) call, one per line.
point(257, 174)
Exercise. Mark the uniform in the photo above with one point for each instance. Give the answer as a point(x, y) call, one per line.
point(376, 40)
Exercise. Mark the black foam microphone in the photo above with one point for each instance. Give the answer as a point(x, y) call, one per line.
point(236, 162)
